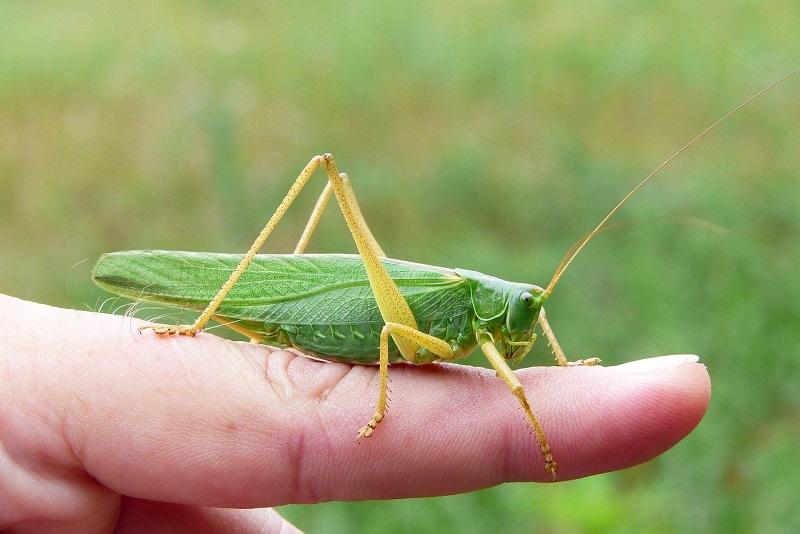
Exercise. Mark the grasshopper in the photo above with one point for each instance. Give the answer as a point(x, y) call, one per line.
point(364, 308)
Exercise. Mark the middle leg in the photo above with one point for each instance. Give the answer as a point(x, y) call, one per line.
point(437, 346)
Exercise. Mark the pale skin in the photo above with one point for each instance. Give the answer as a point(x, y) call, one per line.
point(103, 428)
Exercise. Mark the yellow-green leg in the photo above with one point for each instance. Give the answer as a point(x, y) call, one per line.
point(316, 213)
point(255, 337)
point(505, 372)
point(557, 350)
point(437, 346)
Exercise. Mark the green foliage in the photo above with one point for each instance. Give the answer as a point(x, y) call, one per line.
point(488, 136)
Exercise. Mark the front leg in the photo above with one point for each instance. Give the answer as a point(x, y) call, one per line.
point(557, 350)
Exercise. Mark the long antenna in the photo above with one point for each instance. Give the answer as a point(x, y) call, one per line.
point(579, 246)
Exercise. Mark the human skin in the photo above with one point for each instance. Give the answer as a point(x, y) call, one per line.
point(103, 428)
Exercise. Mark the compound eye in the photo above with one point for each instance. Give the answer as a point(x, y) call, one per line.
point(526, 299)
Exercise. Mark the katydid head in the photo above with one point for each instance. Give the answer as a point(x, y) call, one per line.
point(524, 305)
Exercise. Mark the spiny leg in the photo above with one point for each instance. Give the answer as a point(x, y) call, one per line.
point(380, 406)
point(505, 372)
point(437, 346)
point(557, 350)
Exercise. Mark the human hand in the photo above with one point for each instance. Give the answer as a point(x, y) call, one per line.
point(103, 428)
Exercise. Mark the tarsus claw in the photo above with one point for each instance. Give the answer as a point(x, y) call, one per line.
point(165, 330)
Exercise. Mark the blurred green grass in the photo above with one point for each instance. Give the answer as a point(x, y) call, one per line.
point(496, 134)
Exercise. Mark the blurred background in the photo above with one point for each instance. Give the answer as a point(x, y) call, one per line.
point(483, 135)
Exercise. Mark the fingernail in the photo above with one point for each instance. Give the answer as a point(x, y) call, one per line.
point(661, 363)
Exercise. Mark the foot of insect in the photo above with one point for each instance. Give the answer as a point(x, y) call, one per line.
point(369, 428)
point(170, 330)
point(550, 465)
point(587, 362)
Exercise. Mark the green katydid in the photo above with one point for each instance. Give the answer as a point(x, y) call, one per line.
point(364, 308)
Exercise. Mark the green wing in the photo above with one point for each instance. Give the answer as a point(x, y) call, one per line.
point(282, 289)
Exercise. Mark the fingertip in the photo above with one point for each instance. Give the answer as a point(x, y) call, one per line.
point(621, 416)
point(679, 380)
